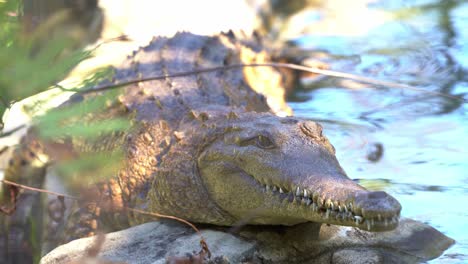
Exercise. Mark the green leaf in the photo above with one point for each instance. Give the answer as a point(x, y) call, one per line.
point(90, 130)
point(90, 168)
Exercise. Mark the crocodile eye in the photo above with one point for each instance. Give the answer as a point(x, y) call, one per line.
point(260, 141)
point(264, 142)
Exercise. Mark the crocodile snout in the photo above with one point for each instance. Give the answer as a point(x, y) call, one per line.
point(376, 204)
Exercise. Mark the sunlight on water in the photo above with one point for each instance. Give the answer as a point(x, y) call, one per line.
point(424, 137)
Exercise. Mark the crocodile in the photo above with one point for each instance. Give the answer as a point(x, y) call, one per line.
point(218, 148)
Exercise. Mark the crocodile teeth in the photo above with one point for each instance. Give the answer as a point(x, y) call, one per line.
point(298, 191)
point(329, 209)
point(320, 202)
point(358, 219)
point(314, 196)
point(314, 207)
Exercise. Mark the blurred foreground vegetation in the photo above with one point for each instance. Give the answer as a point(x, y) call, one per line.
point(41, 41)
point(31, 60)
point(37, 50)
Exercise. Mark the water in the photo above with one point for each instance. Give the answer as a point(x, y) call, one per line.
point(424, 137)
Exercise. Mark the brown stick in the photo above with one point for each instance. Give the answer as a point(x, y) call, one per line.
point(37, 189)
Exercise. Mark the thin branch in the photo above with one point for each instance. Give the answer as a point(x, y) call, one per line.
point(275, 65)
point(61, 88)
point(203, 243)
point(38, 190)
point(163, 216)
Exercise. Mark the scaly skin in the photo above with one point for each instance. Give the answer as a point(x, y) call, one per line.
point(211, 148)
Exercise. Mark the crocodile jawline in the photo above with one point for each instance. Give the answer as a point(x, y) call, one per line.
point(329, 210)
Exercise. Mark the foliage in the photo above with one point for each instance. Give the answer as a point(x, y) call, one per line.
point(8, 20)
point(88, 124)
point(31, 62)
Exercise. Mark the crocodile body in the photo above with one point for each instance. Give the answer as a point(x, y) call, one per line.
point(213, 147)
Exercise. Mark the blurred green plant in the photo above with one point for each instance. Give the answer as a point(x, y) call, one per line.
point(34, 61)
point(376, 184)
point(96, 127)
point(31, 62)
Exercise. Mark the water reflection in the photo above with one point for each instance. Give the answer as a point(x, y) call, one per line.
point(423, 136)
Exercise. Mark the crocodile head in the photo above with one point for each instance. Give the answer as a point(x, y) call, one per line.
point(263, 169)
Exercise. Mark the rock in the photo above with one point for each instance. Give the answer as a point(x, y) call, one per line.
point(155, 242)
point(366, 256)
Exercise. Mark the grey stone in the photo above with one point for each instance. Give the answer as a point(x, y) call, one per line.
point(155, 242)
point(364, 256)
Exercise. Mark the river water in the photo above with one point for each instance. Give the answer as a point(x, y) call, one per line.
point(424, 137)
